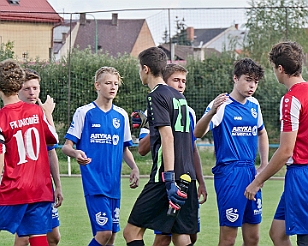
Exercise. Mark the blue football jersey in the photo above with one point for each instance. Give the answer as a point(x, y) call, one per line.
point(102, 136)
point(235, 129)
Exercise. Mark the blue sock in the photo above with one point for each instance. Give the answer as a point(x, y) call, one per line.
point(94, 243)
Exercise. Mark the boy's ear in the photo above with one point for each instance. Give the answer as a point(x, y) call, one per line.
point(146, 69)
point(280, 69)
point(235, 78)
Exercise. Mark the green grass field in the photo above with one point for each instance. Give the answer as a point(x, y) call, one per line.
point(75, 227)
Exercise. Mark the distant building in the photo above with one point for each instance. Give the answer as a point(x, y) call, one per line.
point(113, 36)
point(29, 25)
point(206, 42)
point(220, 39)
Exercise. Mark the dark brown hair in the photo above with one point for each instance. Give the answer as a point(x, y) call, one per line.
point(154, 58)
point(289, 55)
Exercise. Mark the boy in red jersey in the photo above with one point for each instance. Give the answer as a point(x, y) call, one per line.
point(26, 188)
point(292, 212)
point(29, 93)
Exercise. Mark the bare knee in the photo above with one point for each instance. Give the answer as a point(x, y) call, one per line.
point(162, 240)
point(21, 241)
point(226, 241)
point(181, 239)
point(193, 238)
point(227, 236)
point(278, 233)
point(131, 233)
point(252, 240)
point(53, 237)
point(103, 237)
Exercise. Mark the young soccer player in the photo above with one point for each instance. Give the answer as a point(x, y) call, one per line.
point(175, 76)
point(238, 130)
point(26, 189)
point(171, 148)
point(30, 94)
point(102, 135)
point(287, 60)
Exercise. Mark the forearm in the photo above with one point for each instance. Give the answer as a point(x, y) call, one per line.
point(69, 150)
point(54, 168)
point(144, 146)
point(1, 163)
point(263, 145)
point(198, 166)
point(202, 126)
point(50, 120)
point(129, 158)
point(277, 161)
point(167, 142)
point(1, 166)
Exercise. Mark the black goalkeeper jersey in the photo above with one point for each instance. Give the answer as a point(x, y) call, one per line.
point(167, 107)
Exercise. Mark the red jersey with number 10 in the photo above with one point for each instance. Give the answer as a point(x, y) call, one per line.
point(24, 132)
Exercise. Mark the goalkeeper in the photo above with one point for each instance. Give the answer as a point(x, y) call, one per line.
point(172, 155)
point(175, 76)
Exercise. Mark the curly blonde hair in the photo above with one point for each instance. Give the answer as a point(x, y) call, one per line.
point(12, 77)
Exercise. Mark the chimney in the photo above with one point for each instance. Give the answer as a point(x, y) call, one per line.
point(64, 37)
point(82, 18)
point(190, 33)
point(114, 20)
point(236, 26)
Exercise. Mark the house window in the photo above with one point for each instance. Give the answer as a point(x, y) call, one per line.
point(13, 2)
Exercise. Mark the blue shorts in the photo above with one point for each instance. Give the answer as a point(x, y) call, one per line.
point(26, 219)
point(55, 222)
point(104, 213)
point(280, 211)
point(234, 208)
point(296, 197)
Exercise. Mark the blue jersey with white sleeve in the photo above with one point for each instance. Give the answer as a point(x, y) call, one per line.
point(235, 128)
point(102, 136)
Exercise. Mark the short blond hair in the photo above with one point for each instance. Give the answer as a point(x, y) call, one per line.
point(103, 70)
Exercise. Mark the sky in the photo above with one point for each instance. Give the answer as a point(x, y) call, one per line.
point(157, 19)
point(71, 6)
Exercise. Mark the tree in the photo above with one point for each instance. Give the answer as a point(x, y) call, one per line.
point(271, 21)
point(166, 36)
point(6, 50)
point(181, 33)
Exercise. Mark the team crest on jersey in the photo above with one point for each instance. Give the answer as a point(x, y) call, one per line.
point(232, 214)
point(254, 113)
point(255, 131)
point(115, 139)
point(101, 219)
point(116, 123)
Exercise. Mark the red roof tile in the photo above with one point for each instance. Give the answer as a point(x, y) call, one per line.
point(29, 11)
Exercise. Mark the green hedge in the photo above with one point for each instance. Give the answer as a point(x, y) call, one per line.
point(70, 83)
